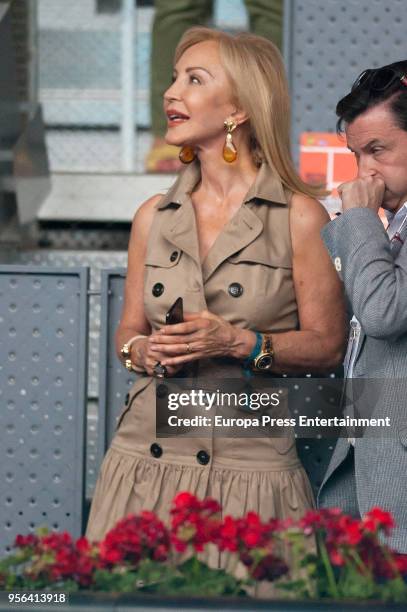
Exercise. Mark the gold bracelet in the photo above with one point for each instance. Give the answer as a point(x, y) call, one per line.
point(125, 354)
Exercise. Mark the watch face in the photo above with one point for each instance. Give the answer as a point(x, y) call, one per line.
point(264, 363)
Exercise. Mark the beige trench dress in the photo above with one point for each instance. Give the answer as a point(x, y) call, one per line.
point(247, 279)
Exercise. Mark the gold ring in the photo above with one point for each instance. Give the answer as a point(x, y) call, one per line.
point(188, 348)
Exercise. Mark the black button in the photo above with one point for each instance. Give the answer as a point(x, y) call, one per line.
point(235, 289)
point(126, 401)
point(158, 289)
point(173, 255)
point(156, 450)
point(203, 457)
point(161, 391)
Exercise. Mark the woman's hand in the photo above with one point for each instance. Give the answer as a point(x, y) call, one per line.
point(147, 358)
point(202, 334)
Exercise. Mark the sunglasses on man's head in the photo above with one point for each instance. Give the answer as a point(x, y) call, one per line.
point(379, 79)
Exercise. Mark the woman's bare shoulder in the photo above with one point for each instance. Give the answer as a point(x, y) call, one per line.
point(307, 213)
point(148, 207)
point(143, 216)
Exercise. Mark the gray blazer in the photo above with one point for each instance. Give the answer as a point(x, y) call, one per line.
point(375, 283)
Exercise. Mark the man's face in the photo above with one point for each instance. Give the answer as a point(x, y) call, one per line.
point(380, 148)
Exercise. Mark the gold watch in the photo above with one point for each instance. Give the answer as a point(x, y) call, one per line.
point(264, 360)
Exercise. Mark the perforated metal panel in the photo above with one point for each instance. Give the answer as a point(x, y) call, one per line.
point(43, 344)
point(115, 381)
point(327, 44)
point(315, 455)
point(95, 260)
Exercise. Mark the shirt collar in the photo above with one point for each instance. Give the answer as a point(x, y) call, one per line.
point(267, 186)
point(399, 215)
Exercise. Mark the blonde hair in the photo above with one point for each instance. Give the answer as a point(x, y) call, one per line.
point(256, 73)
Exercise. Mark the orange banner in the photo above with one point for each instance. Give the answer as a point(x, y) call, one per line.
point(325, 159)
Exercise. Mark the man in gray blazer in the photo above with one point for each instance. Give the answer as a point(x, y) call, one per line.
point(372, 262)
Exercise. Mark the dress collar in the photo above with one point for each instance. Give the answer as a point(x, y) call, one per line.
point(267, 187)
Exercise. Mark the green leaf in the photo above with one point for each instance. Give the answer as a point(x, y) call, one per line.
point(109, 581)
point(354, 585)
point(394, 591)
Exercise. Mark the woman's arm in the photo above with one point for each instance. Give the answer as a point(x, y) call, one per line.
point(320, 342)
point(133, 321)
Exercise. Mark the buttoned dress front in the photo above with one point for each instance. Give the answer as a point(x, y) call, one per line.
point(246, 278)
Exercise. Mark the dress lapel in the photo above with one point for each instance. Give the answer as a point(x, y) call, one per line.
point(179, 228)
point(178, 216)
point(240, 231)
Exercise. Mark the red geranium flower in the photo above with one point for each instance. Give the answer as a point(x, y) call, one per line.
point(193, 522)
point(377, 519)
point(401, 564)
point(134, 538)
point(29, 540)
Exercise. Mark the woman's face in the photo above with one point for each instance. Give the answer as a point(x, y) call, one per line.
point(199, 99)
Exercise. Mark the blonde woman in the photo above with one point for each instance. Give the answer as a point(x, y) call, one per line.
point(238, 237)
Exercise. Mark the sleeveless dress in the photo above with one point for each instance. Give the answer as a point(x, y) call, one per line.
point(247, 279)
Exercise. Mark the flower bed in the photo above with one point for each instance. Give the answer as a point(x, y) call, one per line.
point(142, 555)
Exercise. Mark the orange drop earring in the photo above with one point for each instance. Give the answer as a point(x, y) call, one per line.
point(229, 149)
point(187, 155)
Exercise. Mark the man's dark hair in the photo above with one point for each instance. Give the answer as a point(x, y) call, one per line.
point(365, 95)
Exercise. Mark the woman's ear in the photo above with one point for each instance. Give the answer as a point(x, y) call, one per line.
point(239, 117)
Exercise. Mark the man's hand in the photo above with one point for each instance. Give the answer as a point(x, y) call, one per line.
point(366, 192)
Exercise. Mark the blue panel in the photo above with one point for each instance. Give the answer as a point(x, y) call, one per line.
point(43, 343)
